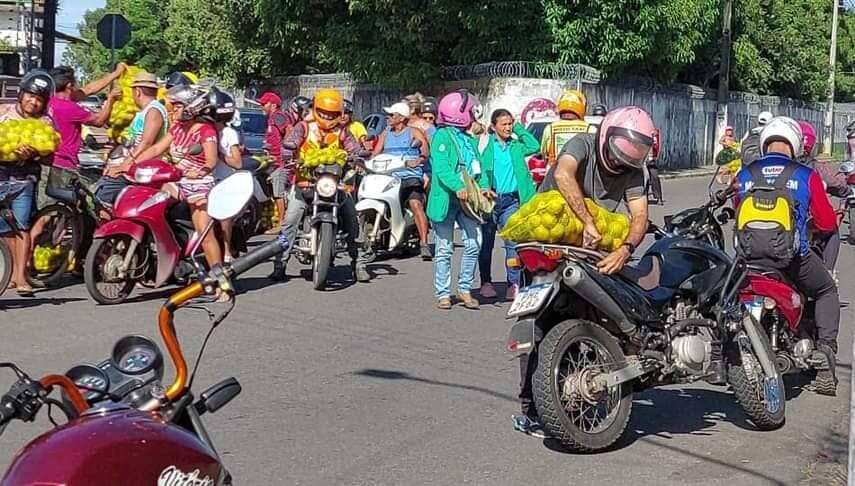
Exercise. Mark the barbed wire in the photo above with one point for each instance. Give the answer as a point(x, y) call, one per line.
point(522, 69)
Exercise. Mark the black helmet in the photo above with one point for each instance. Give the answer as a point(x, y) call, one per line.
point(301, 104)
point(429, 105)
point(177, 79)
point(599, 110)
point(348, 106)
point(224, 105)
point(37, 82)
point(204, 106)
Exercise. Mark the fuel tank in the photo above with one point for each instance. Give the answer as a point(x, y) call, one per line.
point(115, 446)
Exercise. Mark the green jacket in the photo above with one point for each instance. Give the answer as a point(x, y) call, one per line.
point(446, 181)
point(522, 147)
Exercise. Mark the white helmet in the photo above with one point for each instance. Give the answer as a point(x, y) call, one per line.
point(782, 129)
point(764, 117)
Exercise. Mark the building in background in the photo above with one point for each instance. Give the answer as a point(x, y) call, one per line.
point(28, 34)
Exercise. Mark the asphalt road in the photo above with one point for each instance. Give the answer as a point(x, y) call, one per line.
point(369, 384)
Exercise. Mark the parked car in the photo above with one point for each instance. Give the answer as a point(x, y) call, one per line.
point(253, 126)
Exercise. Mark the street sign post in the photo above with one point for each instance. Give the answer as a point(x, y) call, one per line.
point(113, 32)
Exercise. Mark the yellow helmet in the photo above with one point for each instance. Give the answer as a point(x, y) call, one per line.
point(572, 101)
point(327, 108)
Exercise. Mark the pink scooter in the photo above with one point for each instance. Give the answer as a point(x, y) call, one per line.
point(149, 240)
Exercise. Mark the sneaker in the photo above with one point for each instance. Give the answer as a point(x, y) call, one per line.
point(825, 365)
point(426, 254)
point(468, 301)
point(487, 290)
point(278, 274)
point(511, 293)
point(361, 273)
point(529, 426)
point(443, 303)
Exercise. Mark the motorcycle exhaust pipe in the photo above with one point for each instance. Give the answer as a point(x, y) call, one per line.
point(580, 282)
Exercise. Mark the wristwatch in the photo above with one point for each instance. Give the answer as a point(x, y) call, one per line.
point(629, 246)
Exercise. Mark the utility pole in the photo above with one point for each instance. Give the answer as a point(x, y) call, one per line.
point(832, 64)
point(723, 73)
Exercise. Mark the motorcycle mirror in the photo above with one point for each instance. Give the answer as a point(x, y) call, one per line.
point(726, 215)
point(228, 197)
point(847, 167)
point(195, 150)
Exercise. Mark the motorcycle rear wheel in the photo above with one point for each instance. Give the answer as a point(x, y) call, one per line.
point(5, 266)
point(324, 257)
point(64, 229)
point(569, 351)
point(749, 391)
point(104, 252)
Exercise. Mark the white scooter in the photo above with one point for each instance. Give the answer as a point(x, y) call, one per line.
point(385, 223)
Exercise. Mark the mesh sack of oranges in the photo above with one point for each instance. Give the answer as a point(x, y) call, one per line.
point(315, 157)
point(29, 132)
point(546, 218)
point(124, 109)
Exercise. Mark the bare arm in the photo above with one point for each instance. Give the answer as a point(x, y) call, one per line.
point(565, 178)
point(151, 129)
point(157, 149)
point(233, 158)
point(638, 220)
point(101, 83)
point(210, 149)
point(100, 119)
point(379, 143)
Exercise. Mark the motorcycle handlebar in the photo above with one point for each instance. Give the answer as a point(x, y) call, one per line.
point(265, 252)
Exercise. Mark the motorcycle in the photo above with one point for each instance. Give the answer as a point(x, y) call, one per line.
point(848, 203)
point(143, 241)
point(673, 317)
point(385, 221)
point(119, 411)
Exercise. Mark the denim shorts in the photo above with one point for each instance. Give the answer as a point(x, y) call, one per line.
point(22, 210)
point(280, 180)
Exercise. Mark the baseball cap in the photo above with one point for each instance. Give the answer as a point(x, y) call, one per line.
point(398, 108)
point(270, 97)
point(144, 80)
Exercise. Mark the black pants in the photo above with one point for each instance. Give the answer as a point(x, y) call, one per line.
point(812, 278)
point(655, 182)
point(829, 248)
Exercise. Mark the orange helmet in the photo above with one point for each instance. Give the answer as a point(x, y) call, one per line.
point(327, 107)
point(572, 101)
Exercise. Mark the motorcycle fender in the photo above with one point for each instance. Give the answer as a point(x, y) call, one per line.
point(521, 339)
point(323, 217)
point(371, 204)
point(121, 227)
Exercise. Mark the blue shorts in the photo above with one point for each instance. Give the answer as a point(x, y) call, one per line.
point(22, 210)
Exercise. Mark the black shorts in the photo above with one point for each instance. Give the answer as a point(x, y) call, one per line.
point(413, 190)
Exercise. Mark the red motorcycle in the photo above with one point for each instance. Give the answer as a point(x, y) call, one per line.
point(150, 238)
point(119, 412)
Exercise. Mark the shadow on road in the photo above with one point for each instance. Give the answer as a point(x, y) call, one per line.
point(152, 294)
point(25, 302)
point(401, 375)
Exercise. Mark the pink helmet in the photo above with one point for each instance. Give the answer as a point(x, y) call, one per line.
point(809, 136)
point(625, 140)
point(458, 109)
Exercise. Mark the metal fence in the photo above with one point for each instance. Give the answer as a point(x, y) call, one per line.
point(685, 114)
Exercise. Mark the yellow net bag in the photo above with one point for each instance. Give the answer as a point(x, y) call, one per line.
point(28, 132)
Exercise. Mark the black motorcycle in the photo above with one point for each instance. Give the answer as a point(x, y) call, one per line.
point(673, 317)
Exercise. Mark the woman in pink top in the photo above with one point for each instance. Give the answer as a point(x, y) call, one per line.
point(192, 130)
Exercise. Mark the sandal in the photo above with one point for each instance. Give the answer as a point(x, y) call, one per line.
point(24, 290)
point(444, 303)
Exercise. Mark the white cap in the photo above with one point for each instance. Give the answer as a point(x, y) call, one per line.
point(764, 117)
point(399, 108)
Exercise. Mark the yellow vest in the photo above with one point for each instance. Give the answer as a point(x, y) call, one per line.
point(557, 134)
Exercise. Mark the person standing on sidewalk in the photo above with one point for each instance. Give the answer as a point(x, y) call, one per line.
point(277, 124)
point(507, 174)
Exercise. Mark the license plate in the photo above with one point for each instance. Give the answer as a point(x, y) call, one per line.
point(530, 299)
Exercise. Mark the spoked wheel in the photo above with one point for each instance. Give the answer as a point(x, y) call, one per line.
point(102, 270)
point(762, 399)
point(56, 247)
point(582, 415)
point(5, 267)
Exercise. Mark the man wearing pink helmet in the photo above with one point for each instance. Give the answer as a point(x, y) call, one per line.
point(608, 167)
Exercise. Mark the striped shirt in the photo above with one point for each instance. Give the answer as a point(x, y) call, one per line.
point(184, 137)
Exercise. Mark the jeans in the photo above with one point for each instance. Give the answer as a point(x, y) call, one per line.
point(506, 205)
point(347, 217)
point(444, 235)
point(22, 210)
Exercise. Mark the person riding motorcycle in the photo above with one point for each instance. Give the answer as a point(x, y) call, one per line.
point(750, 150)
point(609, 168)
point(34, 93)
point(355, 127)
point(571, 111)
point(324, 130)
point(298, 109)
point(781, 145)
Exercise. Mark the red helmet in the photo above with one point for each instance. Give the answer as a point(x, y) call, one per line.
point(809, 136)
point(625, 139)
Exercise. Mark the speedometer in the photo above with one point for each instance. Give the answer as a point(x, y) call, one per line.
point(135, 355)
point(91, 380)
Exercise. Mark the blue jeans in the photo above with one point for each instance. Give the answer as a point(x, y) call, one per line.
point(22, 210)
point(506, 205)
point(444, 232)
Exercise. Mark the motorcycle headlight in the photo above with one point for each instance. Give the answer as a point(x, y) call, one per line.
point(326, 187)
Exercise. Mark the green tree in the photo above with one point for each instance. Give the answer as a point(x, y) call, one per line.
point(147, 48)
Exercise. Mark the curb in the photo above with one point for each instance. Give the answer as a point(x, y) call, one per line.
point(686, 173)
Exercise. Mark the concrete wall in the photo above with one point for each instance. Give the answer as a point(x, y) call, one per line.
point(685, 114)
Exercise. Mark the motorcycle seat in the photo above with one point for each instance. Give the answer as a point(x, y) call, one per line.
point(179, 215)
point(767, 271)
point(645, 274)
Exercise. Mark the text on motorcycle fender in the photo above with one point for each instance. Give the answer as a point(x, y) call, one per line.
point(172, 476)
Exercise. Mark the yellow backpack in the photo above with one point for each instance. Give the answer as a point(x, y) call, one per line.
point(765, 219)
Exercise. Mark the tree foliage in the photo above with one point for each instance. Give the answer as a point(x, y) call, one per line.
point(779, 46)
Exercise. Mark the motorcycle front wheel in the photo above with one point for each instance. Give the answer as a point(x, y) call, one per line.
point(324, 256)
point(101, 270)
point(747, 379)
point(61, 238)
point(5, 266)
point(572, 353)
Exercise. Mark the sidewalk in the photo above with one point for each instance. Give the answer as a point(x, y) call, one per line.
point(709, 170)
